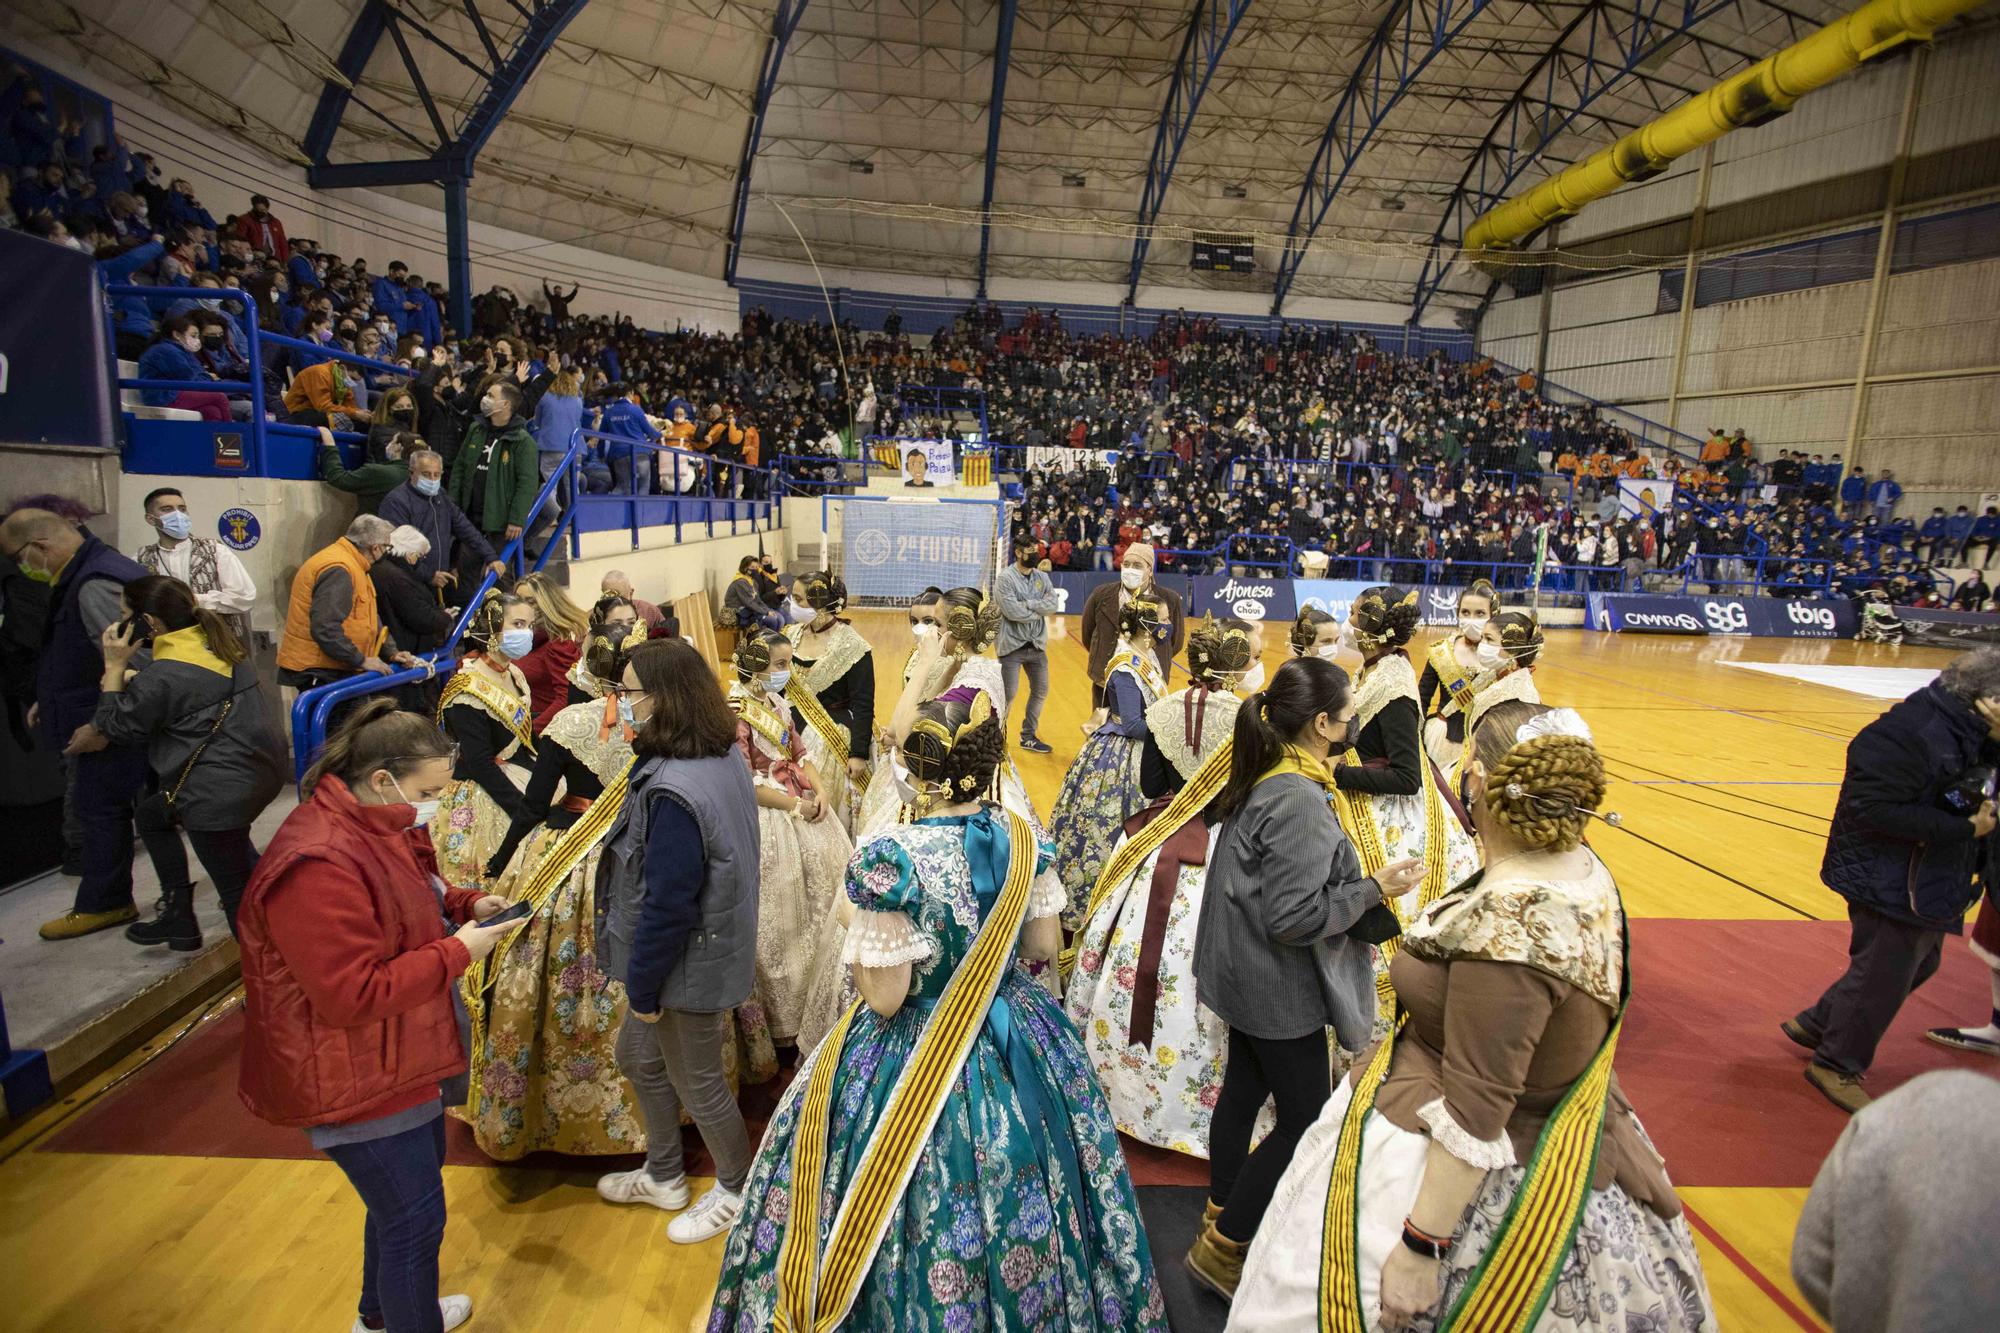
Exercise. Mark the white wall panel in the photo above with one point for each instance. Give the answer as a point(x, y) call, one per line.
point(1939, 435)
point(1957, 104)
point(1616, 383)
point(1505, 319)
point(1792, 338)
point(1845, 128)
point(1651, 338)
point(1940, 319)
point(1607, 299)
point(1814, 420)
point(1517, 352)
point(1667, 195)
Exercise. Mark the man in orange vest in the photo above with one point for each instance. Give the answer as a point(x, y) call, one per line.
point(332, 627)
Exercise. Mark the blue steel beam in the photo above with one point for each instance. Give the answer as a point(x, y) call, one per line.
point(1409, 38)
point(1003, 56)
point(784, 22)
point(333, 97)
point(1210, 27)
point(1600, 48)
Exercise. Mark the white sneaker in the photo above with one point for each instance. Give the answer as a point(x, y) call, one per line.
point(454, 1309)
point(640, 1187)
point(714, 1213)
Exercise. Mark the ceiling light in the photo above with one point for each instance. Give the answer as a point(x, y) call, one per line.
point(861, 167)
point(1393, 203)
point(1073, 180)
point(1235, 192)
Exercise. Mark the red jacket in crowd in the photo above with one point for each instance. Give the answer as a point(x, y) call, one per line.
point(547, 672)
point(347, 969)
point(265, 233)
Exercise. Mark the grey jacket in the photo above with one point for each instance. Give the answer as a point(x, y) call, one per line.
point(170, 708)
point(719, 966)
point(1026, 600)
point(1284, 877)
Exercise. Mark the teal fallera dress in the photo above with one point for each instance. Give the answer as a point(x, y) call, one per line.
point(1020, 1213)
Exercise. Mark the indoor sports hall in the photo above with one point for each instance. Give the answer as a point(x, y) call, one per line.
point(847, 521)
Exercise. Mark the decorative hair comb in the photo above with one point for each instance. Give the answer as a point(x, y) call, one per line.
point(1555, 722)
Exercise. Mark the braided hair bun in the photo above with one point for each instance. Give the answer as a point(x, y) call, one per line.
point(1218, 648)
point(753, 652)
point(956, 746)
point(821, 591)
point(1305, 630)
point(1559, 778)
point(605, 656)
point(488, 619)
point(1138, 618)
point(971, 618)
point(1520, 636)
point(1385, 617)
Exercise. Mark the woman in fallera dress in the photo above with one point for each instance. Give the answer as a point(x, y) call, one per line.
point(1156, 1049)
point(945, 1159)
point(1451, 667)
point(1101, 790)
point(1509, 647)
point(1492, 1127)
point(881, 805)
point(832, 691)
point(485, 709)
point(802, 850)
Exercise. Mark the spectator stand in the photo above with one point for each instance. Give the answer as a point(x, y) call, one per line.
point(722, 492)
point(313, 708)
point(956, 408)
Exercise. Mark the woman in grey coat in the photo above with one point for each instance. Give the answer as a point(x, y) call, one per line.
point(1269, 955)
point(217, 760)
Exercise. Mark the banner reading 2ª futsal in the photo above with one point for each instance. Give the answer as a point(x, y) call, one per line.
point(891, 550)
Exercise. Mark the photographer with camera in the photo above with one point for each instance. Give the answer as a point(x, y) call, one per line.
point(1908, 849)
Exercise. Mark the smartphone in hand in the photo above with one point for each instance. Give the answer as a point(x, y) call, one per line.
point(519, 911)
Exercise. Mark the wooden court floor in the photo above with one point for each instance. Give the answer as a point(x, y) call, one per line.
point(1710, 761)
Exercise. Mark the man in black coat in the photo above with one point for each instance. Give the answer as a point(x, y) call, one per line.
point(1908, 863)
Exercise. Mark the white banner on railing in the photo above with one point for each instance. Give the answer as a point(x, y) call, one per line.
point(1058, 458)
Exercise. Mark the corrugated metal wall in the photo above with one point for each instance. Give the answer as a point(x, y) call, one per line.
point(1783, 367)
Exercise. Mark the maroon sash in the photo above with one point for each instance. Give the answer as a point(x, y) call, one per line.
point(1186, 846)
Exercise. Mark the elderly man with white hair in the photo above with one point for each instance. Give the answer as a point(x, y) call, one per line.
point(333, 621)
point(615, 584)
point(411, 609)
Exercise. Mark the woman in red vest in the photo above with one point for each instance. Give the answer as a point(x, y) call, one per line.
point(353, 1029)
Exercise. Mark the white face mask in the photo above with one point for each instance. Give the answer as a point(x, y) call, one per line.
point(625, 712)
point(777, 680)
point(176, 524)
point(1488, 655)
point(426, 811)
point(1471, 626)
point(1327, 650)
point(798, 612)
point(517, 643)
point(922, 631)
point(1132, 579)
point(1252, 680)
point(906, 789)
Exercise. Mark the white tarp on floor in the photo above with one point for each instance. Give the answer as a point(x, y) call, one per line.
point(1873, 682)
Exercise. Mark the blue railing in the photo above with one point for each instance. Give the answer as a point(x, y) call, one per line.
point(313, 708)
point(714, 494)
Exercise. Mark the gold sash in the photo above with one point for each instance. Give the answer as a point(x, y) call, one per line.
point(513, 711)
point(1203, 787)
point(559, 860)
point(1457, 684)
point(1356, 812)
point(763, 720)
point(1146, 669)
point(1514, 1278)
point(816, 1292)
point(801, 697)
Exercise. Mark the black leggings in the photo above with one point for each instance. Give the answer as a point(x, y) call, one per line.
point(1295, 1072)
point(227, 855)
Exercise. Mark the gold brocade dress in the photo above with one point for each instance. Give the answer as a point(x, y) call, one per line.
point(479, 704)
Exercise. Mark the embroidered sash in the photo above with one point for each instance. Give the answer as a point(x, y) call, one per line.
point(801, 697)
point(1514, 1278)
point(1146, 671)
point(559, 859)
point(1203, 787)
point(764, 720)
point(1356, 812)
point(843, 647)
point(816, 1292)
point(1453, 676)
point(511, 710)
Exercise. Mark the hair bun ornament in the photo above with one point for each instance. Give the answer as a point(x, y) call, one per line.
point(1554, 805)
point(1555, 722)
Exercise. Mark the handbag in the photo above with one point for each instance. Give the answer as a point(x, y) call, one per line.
point(181, 781)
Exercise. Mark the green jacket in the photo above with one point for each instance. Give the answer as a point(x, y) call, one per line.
point(367, 483)
point(512, 478)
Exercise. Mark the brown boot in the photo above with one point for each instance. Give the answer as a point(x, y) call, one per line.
point(1216, 1262)
point(1210, 1210)
point(1843, 1090)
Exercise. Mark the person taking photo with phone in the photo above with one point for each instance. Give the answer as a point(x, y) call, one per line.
point(354, 1030)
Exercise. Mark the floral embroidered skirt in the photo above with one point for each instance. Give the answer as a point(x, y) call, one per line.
point(997, 1229)
point(803, 866)
point(469, 828)
point(1629, 1268)
point(1099, 793)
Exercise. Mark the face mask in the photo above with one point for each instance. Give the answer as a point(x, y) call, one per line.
point(1132, 579)
point(906, 789)
point(1329, 651)
point(1471, 626)
point(404, 411)
point(616, 631)
point(625, 712)
point(35, 572)
point(1253, 679)
point(176, 525)
point(798, 612)
point(488, 406)
point(777, 681)
point(1487, 655)
point(426, 811)
point(517, 643)
point(921, 631)
point(426, 485)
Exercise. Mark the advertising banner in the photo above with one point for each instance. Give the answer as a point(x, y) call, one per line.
point(1333, 596)
point(938, 466)
point(1949, 629)
point(1057, 458)
point(1644, 496)
point(1245, 598)
point(1756, 617)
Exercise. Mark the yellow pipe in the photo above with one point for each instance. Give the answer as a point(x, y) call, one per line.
point(1765, 90)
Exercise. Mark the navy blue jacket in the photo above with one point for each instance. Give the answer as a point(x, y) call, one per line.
point(72, 662)
point(1893, 847)
point(443, 522)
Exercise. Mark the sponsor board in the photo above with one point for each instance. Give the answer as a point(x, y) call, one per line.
point(1250, 599)
point(1756, 617)
point(1949, 629)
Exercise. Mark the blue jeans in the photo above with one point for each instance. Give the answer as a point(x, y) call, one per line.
point(401, 1180)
